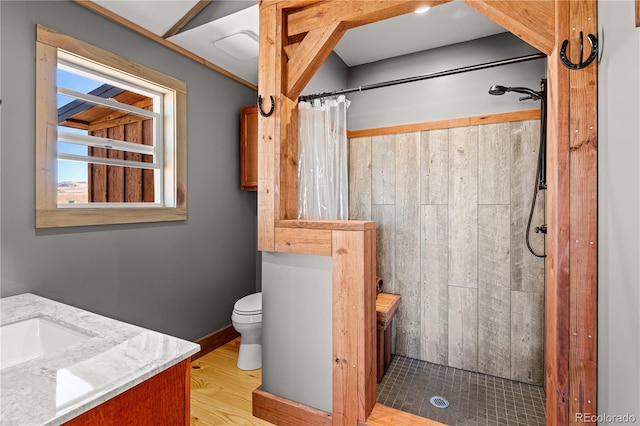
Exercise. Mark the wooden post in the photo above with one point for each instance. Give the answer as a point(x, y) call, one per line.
point(583, 251)
point(353, 334)
point(557, 261)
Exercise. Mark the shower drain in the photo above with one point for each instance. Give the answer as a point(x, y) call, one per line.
point(439, 402)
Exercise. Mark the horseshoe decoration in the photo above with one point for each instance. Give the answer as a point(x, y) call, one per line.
point(263, 113)
point(593, 41)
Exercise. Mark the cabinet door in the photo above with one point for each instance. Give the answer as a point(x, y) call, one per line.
point(249, 148)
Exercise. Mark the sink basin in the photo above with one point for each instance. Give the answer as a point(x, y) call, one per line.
point(31, 338)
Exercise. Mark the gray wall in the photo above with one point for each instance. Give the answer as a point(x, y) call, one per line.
point(619, 211)
point(332, 75)
point(179, 278)
point(461, 95)
point(451, 209)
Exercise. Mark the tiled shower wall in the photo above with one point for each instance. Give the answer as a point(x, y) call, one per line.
point(451, 208)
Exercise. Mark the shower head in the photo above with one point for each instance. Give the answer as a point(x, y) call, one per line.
point(501, 90)
point(497, 90)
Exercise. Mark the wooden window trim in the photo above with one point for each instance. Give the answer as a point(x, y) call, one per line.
point(48, 214)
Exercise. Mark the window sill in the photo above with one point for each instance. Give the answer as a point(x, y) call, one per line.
point(57, 218)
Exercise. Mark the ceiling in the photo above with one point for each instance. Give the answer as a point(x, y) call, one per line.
point(207, 34)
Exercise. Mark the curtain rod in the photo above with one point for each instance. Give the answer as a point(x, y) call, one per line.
point(425, 76)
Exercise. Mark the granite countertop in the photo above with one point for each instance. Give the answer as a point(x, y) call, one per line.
point(56, 387)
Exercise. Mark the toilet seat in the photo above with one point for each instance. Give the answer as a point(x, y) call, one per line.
point(249, 305)
point(248, 309)
point(247, 320)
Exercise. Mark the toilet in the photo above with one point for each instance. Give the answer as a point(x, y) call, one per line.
point(247, 320)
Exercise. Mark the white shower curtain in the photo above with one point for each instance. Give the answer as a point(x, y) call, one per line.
point(323, 191)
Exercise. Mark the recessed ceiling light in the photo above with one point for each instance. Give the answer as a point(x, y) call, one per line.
point(241, 45)
point(422, 10)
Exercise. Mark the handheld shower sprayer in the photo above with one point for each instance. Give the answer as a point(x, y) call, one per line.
point(541, 172)
point(498, 90)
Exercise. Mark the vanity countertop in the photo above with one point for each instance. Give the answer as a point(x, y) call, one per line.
point(63, 384)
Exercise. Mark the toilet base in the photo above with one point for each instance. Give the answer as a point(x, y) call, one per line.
point(250, 356)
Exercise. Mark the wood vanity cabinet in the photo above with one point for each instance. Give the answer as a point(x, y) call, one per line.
point(161, 400)
point(249, 148)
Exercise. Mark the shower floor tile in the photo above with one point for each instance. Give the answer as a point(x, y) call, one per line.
point(474, 398)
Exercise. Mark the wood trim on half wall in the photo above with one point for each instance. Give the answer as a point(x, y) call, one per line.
point(505, 117)
point(282, 411)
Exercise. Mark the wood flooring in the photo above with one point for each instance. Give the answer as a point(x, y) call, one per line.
point(220, 391)
point(221, 394)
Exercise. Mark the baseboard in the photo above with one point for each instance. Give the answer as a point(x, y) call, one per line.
point(215, 340)
point(282, 411)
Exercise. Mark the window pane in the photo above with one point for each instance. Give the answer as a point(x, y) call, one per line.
point(107, 153)
point(112, 123)
point(76, 82)
point(82, 113)
point(86, 115)
point(76, 77)
point(130, 138)
point(71, 148)
point(82, 182)
point(72, 182)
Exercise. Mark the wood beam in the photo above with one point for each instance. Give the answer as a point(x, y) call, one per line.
point(351, 13)
point(571, 213)
point(289, 4)
point(166, 43)
point(186, 18)
point(354, 326)
point(557, 212)
point(269, 77)
point(532, 21)
point(287, 160)
point(309, 55)
point(583, 157)
point(314, 30)
point(304, 241)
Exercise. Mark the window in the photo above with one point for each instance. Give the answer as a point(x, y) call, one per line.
point(110, 138)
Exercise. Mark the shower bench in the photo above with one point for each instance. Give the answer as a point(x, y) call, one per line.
point(386, 308)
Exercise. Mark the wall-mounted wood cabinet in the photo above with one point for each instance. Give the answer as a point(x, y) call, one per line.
point(249, 148)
